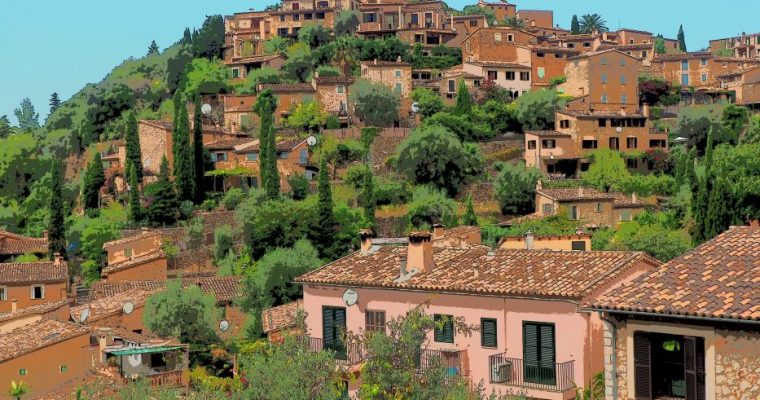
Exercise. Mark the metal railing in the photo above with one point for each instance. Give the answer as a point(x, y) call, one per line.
point(350, 354)
point(557, 377)
point(450, 360)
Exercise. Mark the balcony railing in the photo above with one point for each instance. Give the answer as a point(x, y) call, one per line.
point(557, 377)
point(348, 354)
point(450, 360)
point(163, 379)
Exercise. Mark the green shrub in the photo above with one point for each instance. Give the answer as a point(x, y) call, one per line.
point(232, 198)
point(430, 206)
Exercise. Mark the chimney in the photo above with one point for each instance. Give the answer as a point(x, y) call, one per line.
point(529, 240)
point(45, 234)
point(580, 191)
point(402, 267)
point(14, 306)
point(375, 61)
point(420, 251)
point(366, 236)
point(622, 111)
point(105, 339)
point(438, 230)
point(633, 197)
point(645, 110)
point(398, 59)
point(57, 259)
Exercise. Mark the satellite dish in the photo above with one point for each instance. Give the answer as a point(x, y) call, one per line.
point(311, 140)
point(206, 109)
point(85, 315)
point(224, 326)
point(350, 297)
point(618, 129)
point(128, 308)
point(415, 107)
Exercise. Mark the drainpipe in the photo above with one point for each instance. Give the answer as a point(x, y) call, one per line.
point(613, 357)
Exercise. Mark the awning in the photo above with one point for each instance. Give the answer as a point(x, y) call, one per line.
point(144, 350)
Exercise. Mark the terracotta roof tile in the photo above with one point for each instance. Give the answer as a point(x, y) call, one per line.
point(224, 289)
point(15, 244)
point(39, 309)
point(718, 279)
point(134, 261)
point(599, 114)
point(32, 337)
point(142, 234)
point(229, 144)
point(288, 87)
point(546, 133)
point(480, 270)
point(283, 144)
point(107, 306)
point(33, 272)
point(498, 64)
point(380, 63)
point(166, 125)
point(280, 317)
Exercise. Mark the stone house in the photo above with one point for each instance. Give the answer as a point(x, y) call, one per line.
point(242, 66)
point(13, 244)
point(548, 63)
point(135, 257)
point(510, 297)
point(690, 329)
point(425, 22)
point(579, 242)
point(458, 236)
point(698, 69)
point(742, 46)
point(31, 284)
point(744, 83)
point(514, 77)
point(501, 10)
point(239, 117)
point(448, 84)
point(498, 44)
point(288, 96)
point(542, 18)
point(609, 78)
point(590, 207)
point(45, 354)
point(396, 75)
point(332, 94)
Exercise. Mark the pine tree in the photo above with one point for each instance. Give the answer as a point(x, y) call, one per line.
point(368, 197)
point(163, 207)
point(94, 179)
point(323, 232)
point(183, 157)
point(198, 163)
point(266, 103)
point(5, 127)
point(681, 39)
point(575, 26)
point(153, 48)
point(470, 218)
point(135, 209)
point(56, 228)
point(28, 118)
point(464, 101)
point(133, 150)
point(55, 102)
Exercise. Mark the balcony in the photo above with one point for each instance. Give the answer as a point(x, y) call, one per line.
point(163, 379)
point(450, 360)
point(345, 354)
point(557, 377)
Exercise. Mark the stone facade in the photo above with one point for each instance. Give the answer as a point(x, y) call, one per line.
point(155, 143)
point(699, 69)
point(737, 365)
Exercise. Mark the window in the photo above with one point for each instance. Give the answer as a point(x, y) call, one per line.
point(374, 321)
point(63, 369)
point(303, 157)
point(22, 371)
point(282, 31)
point(488, 332)
point(531, 146)
point(320, 15)
point(539, 353)
point(704, 77)
point(631, 142)
point(38, 292)
point(128, 252)
point(492, 75)
point(252, 156)
point(602, 122)
point(548, 144)
point(631, 41)
point(510, 38)
point(415, 19)
point(548, 209)
point(510, 75)
point(4, 290)
point(296, 6)
point(614, 143)
point(599, 207)
point(623, 99)
point(604, 78)
point(656, 143)
point(604, 61)
point(473, 23)
point(235, 73)
point(604, 98)
point(220, 156)
point(452, 86)
point(586, 44)
point(632, 163)
point(398, 73)
point(589, 144)
point(308, 16)
point(282, 155)
point(541, 72)
point(677, 361)
point(525, 76)
point(282, 19)
point(340, 89)
point(572, 213)
point(684, 65)
point(644, 54)
point(623, 80)
point(334, 329)
point(296, 17)
point(444, 328)
point(540, 55)
point(570, 45)
point(398, 87)
point(578, 245)
point(704, 62)
point(370, 17)
point(157, 360)
point(497, 37)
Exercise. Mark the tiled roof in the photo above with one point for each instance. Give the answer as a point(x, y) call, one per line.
point(33, 272)
point(39, 309)
point(224, 289)
point(288, 87)
point(546, 133)
point(134, 261)
point(480, 270)
point(625, 201)
point(680, 56)
point(107, 306)
point(380, 63)
point(574, 194)
point(280, 317)
point(32, 337)
point(334, 80)
point(287, 144)
point(554, 49)
point(255, 59)
point(623, 47)
point(14, 244)
point(143, 234)
point(596, 53)
point(599, 114)
point(718, 279)
point(229, 144)
point(498, 64)
point(158, 124)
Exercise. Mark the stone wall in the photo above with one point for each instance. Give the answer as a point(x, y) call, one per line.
point(737, 365)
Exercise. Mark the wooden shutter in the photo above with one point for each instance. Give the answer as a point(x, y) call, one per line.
point(642, 366)
point(694, 368)
point(530, 344)
point(547, 351)
point(445, 333)
point(328, 325)
point(488, 332)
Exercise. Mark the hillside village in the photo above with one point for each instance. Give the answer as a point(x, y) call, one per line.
point(390, 199)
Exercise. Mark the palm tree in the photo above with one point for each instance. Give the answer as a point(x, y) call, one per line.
point(18, 389)
point(346, 52)
point(593, 22)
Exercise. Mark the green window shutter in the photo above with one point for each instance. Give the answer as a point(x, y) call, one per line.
point(546, 339)
point(488, 332)
point(539, 353)
point(642, 365)
point(530, 343)
point(444, 333)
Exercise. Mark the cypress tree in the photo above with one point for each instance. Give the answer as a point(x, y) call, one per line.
point(198, 164)
point(56, 229)
point(266, 103)
point(177, 102)
point(135, 209)
point(163, 208)
point(470, 218)
point(368, 197)
point(134, 152)
point(681, 39)
point(464, 100)
point(575, 26)
point(719, 209)
point(94, 178)
point(700, 203)
point(187, 37)
point(55, 102)
point(184, 175)
point(323, 231)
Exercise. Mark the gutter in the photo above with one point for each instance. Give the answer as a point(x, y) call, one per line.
point(676, 316)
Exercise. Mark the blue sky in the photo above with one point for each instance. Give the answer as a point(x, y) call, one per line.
point(60, 45)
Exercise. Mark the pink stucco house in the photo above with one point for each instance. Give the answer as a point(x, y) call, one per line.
point(532, 337)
